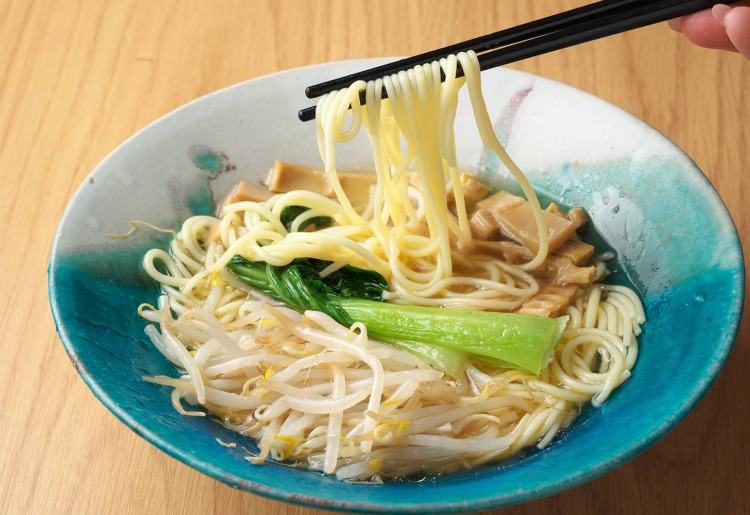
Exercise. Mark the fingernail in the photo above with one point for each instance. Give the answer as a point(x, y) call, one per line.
point(720, 12)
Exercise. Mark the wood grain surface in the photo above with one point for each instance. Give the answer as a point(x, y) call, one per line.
point(77, 77)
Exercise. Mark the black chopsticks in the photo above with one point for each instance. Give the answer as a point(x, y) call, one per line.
point(587, 23)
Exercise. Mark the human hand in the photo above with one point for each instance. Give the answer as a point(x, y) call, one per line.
point(723, 27)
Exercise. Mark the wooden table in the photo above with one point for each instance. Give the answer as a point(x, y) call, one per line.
point(80, 76)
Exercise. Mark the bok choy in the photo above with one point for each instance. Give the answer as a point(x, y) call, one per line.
point(445, 338)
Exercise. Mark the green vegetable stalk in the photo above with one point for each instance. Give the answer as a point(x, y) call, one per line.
point(445, 338)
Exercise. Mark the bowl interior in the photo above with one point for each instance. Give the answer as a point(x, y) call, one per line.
point(646, 199)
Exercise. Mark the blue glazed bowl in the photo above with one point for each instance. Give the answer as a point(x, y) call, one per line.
point(647, 200)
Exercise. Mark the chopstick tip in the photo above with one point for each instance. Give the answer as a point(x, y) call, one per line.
point(307, 114)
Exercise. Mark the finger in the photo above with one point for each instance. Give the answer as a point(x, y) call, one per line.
point(706, 31)
point(675, 24)
point(736, 21)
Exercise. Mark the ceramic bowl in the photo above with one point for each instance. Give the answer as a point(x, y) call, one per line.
point(647, 200)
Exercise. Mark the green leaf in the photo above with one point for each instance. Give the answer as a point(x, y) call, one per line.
point(253, 274)
point(303, 286)
point(352, 282)
point(290, 213)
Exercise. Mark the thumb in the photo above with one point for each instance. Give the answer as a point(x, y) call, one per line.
point(736, 21)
